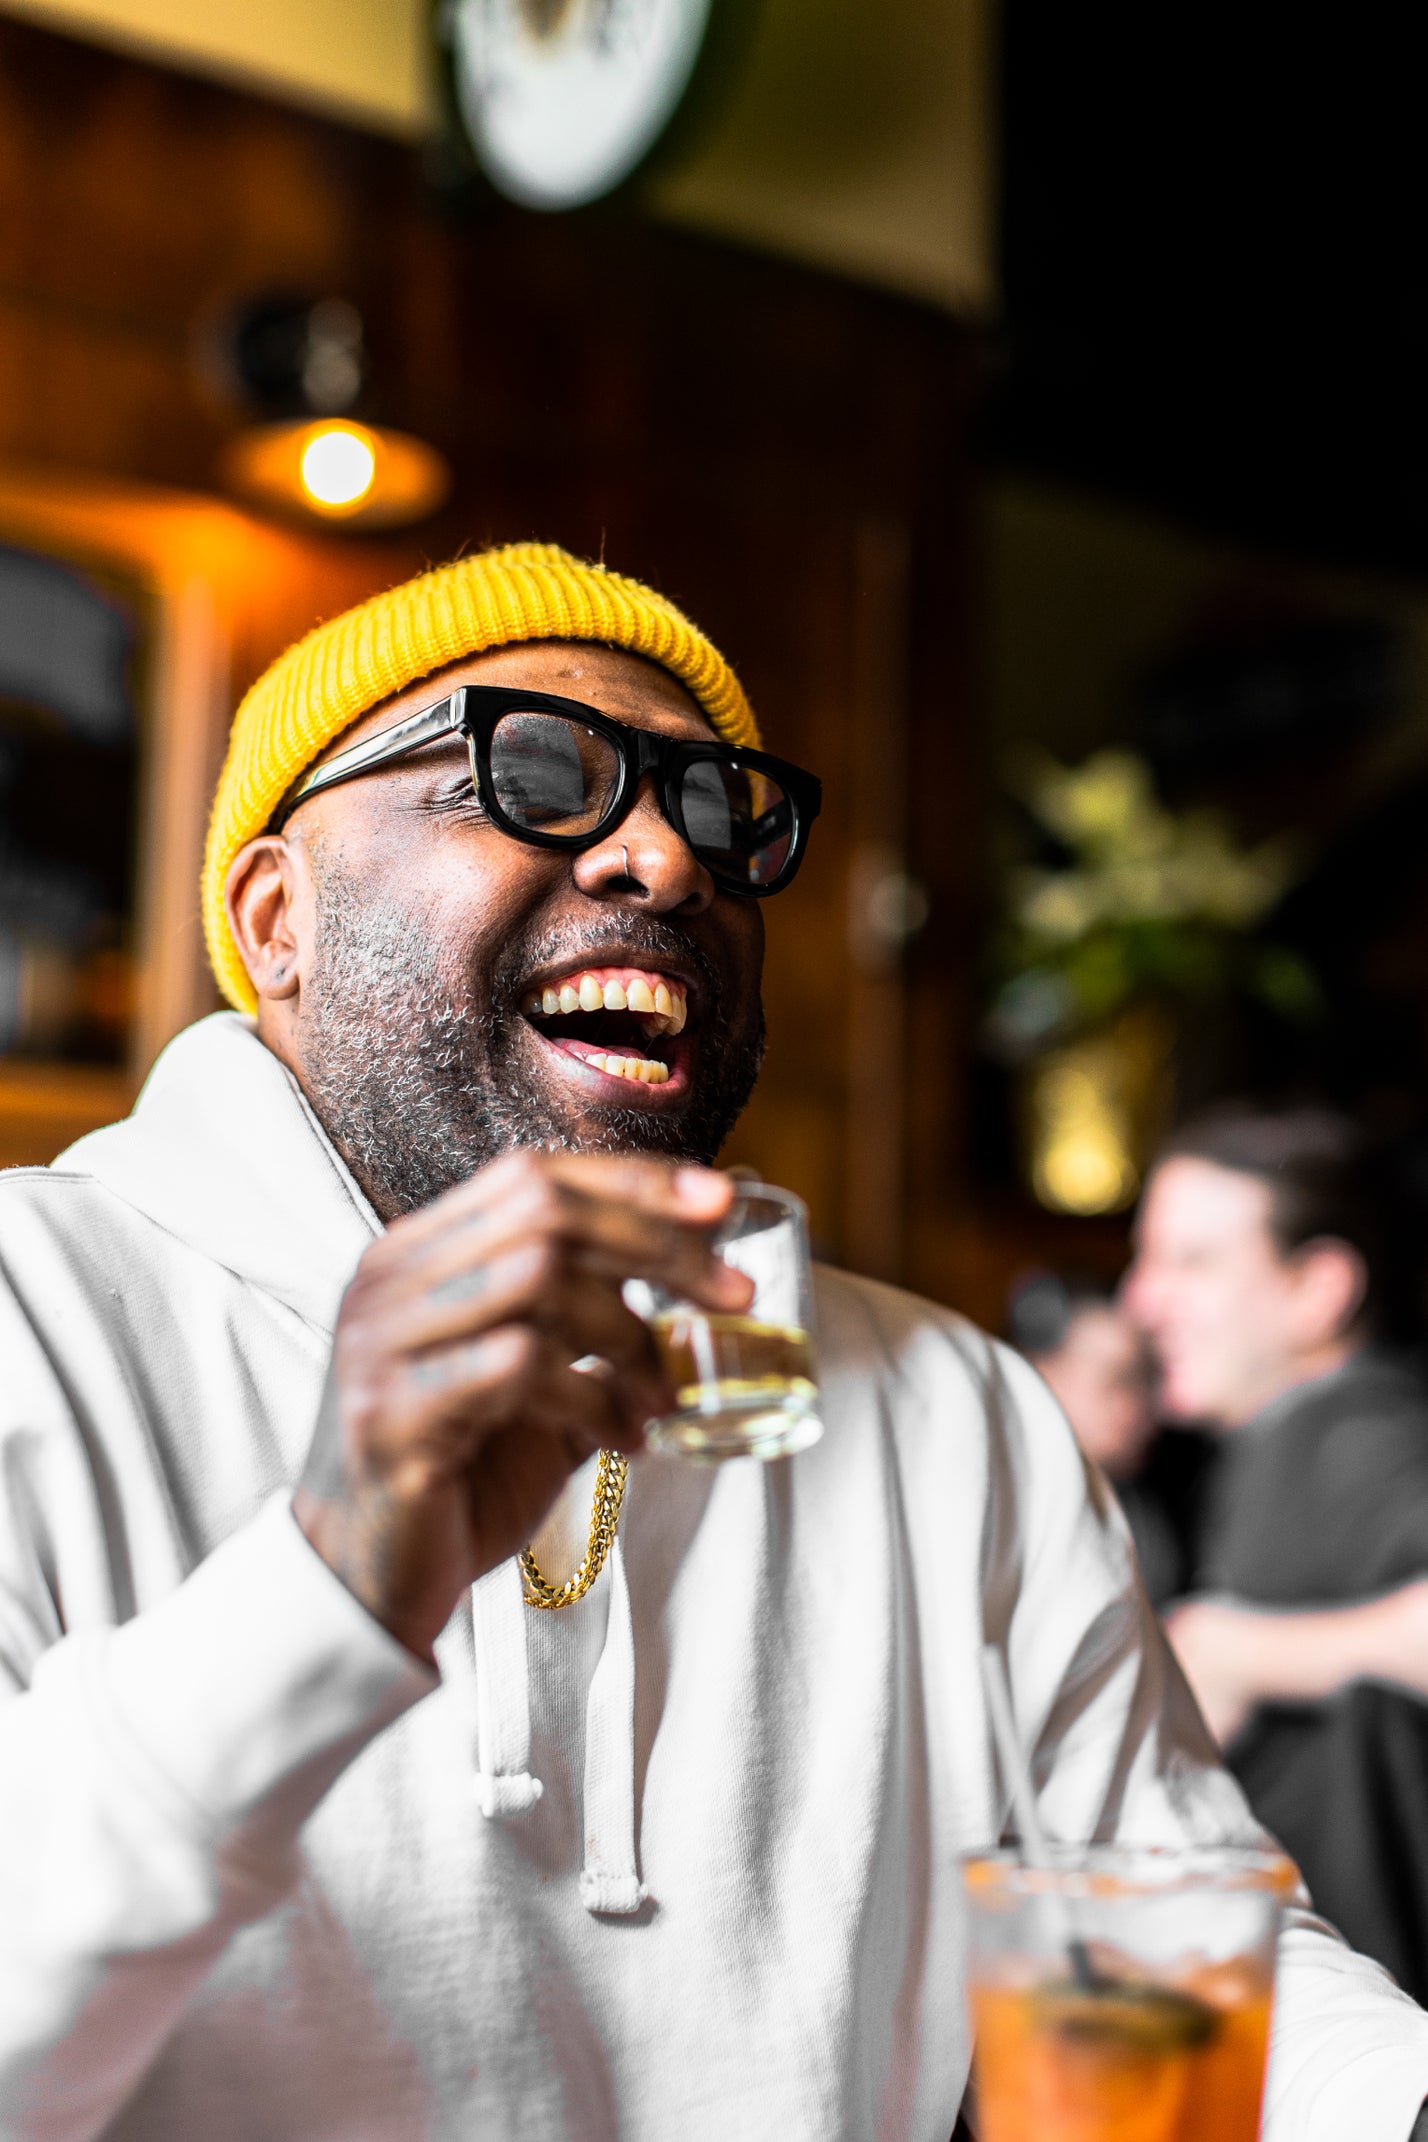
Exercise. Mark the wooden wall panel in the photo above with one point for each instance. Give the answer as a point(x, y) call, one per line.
point(229, 593)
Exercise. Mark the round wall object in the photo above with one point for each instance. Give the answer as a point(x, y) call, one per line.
point(562, 99)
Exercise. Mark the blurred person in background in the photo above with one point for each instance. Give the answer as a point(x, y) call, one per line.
point(1258, 1279)
point(1099, 1366)
point(1261, 1277)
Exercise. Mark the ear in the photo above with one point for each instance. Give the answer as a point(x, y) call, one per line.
point(267, 897)
point(1331, 1282)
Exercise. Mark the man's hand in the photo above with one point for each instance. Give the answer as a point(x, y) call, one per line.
point(1235, 1657)
point(453, 1412)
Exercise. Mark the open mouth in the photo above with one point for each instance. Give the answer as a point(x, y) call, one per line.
point(617, 1022)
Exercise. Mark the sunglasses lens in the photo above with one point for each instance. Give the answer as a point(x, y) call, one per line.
point(739, 821)
point(552, 775)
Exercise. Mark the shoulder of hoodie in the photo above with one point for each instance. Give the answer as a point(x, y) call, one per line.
point(70, 1251)
point(933, 1361)
point(78, 1220)
point(950, 1396)
point(59, 1198)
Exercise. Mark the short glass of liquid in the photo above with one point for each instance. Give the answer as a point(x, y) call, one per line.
point(1121, 1995)
point(745, 1385)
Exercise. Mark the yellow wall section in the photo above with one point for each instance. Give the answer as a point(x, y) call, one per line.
point(854, 137)
point(857, 135)
point(364, 59)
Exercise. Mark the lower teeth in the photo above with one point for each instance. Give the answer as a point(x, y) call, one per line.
point(642, 1069)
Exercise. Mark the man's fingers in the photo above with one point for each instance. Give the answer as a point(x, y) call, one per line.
point(698, 1196)
point(689, 1192)
point(443, 1302)
point(462, 1323)
point(470, 1263)
point(563, 1406)
point(471, 1384)
point(454, 1397)
point(675, 1263)
point(538, 1285)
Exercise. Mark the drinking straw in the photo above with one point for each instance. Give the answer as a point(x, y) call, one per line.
point(1016, 1771)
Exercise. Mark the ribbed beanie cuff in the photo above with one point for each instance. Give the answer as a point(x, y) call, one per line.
point(340, 671)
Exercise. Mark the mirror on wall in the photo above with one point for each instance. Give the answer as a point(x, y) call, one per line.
point(75, 667)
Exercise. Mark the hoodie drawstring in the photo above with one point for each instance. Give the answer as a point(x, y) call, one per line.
point(504, 1785)
point(609, 1882)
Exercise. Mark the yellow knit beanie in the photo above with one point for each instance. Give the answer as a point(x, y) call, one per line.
point(528, 591)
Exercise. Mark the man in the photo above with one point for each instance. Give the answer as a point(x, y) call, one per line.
point(1256, 1277)
point(1097, 1365)
point(1258, 1274)
point(310, 1826)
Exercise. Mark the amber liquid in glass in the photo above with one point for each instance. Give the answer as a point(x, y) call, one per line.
point(736, 1379)
point(1134, 2062)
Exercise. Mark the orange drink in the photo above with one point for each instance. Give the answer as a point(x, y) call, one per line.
point(1123, 1996)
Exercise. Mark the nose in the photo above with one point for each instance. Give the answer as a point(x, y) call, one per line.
point(1139, 1294)
point(643, 861)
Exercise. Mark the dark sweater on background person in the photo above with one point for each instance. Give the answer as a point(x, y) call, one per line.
point(1320, 1501)
point(1323, 1497)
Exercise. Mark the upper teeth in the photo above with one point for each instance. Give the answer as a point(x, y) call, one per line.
point(584, 992)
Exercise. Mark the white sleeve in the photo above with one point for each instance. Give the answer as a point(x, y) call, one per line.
point(153, 1780)
point(1121, 1752)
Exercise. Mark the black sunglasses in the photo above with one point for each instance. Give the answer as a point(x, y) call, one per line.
point(557, 774)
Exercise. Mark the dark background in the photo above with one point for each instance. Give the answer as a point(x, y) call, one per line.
point(1213, 266)
point(1214, 340)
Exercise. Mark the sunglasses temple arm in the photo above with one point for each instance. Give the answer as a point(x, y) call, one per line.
point(444, 719)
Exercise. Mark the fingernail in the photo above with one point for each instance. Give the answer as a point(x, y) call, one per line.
point(703, 1189)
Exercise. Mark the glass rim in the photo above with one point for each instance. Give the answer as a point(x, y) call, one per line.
point(749, 1192)
point(1003, 1875)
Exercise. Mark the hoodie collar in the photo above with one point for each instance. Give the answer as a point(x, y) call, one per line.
point(223, 1151)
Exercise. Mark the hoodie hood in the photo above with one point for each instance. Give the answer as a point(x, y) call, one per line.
point(223, 1151)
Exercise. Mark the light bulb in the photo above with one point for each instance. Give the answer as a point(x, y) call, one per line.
point(338, 465)
point(348, 475)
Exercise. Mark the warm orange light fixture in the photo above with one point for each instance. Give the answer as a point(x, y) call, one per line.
point(337, 467)
point(297, 367)
point(334, 469)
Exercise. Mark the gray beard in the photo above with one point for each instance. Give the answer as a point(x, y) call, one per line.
point(418, 1084)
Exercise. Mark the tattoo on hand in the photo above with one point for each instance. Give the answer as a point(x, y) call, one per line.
point(462, 1286)
point(433, 1372)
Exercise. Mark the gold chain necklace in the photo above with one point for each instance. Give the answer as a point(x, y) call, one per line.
point(604, 1516)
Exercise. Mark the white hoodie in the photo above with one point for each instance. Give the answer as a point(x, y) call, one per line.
point(678, 1861)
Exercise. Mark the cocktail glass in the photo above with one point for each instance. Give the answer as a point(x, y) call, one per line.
point(1121, 1995)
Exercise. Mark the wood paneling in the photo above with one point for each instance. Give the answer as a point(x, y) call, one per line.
point(781, 452)
point(45, 1107)
point(228, 593)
